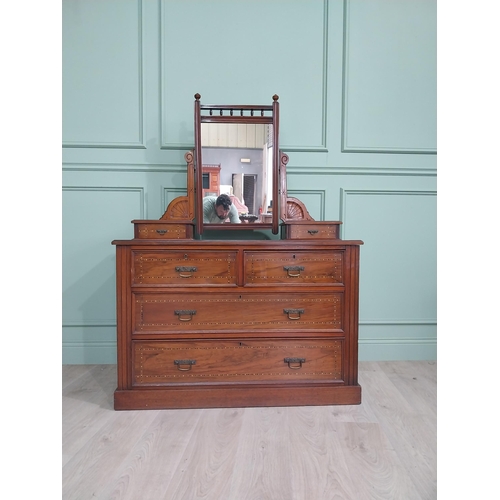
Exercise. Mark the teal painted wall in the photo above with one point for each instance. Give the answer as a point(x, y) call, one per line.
point(357, 87)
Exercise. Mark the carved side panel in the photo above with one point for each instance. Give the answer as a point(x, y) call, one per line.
point(296, 210)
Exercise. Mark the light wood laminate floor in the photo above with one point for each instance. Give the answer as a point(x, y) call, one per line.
point(384, 448)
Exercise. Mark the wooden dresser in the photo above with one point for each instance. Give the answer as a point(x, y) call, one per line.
point(237, 323)
point(206, 321)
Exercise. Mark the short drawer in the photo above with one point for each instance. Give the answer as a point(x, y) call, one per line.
point(162, 231)
point(231, 312)
point(243, 361)
point(313, 267)
point(312, 231)
point(186, 268)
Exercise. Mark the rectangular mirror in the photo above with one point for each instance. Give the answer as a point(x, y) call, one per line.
point(237, 160)
point(237, 184)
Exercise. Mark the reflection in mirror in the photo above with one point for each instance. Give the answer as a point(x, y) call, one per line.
point(237, 160)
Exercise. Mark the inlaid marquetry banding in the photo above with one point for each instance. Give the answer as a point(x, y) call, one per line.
point(194, 259)
point(171, 229)
point(333, 323)
point(332, 302)
point(334, 353)
point(227, 375)
point(273, 272)
point(311, 260)
point(176, 260)
point(143, 274)
point(243, 346)
point(163, 262)
point(336, 323)
point(334, 299)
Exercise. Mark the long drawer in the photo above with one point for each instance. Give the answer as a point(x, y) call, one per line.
point(293, 268)
point(217, 311)
point(186, 268)
point(222, 362)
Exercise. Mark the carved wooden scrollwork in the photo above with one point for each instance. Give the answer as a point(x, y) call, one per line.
point(182, 207)
point(296, 210)
point(177, 209)
point(291, 208)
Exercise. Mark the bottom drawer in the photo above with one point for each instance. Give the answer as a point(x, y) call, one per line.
point(226, 361)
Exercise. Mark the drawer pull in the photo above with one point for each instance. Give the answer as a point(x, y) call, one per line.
point(184, 365)
point(185, 272)
point(294, 363)
point(292, 270)
point(293, 313)
point(161, 231)
point(185, 315)
point(312, 231)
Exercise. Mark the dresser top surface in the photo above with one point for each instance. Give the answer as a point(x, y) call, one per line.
point(290, 244)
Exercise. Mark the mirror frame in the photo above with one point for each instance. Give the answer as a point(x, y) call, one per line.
point(248, 113)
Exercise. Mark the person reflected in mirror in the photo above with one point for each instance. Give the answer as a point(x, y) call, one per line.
point(217, 209)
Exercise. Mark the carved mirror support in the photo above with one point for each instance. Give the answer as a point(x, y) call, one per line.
point(292, 209)
point(183, 207)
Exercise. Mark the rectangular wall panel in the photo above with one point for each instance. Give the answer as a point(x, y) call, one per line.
point(398, 277)
point(399, 254)
point(244, 53)
point(390, 76)
point(89, 266)
point(102, 73)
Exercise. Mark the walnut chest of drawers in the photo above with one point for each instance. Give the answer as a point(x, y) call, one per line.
point(237, 323)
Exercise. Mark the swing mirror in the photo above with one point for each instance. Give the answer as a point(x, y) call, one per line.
point(237, 170)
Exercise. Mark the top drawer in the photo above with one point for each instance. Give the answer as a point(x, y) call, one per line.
point(303, 267)
point(147, 230)
point(189, 268)
point(312, 231)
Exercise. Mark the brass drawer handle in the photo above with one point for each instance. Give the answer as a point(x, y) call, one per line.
point(182, 270)
point(161, 231)
point(186, 363)
point(292, 270)
point(294, 363)
point(185, 315)
point(293, 313)
point(313, 231)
